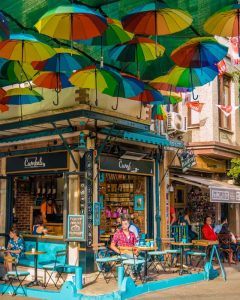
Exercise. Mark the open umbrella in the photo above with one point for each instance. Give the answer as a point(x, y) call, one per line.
point(52, 80)
point(4, 29)
point(158, 112)
point(72, 22)
point(161, 85)
point(96, 78)
point(65, 60)
point(136, 50)
point(21, 96)
point(128, 86)
point(24, 48)
point(199, 52)
point(156, 19)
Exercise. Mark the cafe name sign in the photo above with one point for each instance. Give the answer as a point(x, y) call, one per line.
point(224, 195)
point(37, 162)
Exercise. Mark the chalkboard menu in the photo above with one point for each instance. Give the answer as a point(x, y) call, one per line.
point(76, 228)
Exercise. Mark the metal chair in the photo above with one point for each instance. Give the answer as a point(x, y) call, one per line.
point(105, 262)
point(55, 267)
point(16, 276)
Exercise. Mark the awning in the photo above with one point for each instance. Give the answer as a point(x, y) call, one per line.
point(219, 191)
point(144, 137)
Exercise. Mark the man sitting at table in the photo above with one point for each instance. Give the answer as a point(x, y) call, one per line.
point(123, 237)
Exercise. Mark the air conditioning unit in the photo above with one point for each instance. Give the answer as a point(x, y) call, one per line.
point(176, 122)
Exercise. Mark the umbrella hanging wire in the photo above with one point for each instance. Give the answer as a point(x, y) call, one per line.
point(193, 96)
point(115, 108)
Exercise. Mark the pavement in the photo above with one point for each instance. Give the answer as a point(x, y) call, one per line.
point(216, 289)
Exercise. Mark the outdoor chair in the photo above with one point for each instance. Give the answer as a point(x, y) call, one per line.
point(225, 246)
point(200, 256)
point(55, 267)
point(105, 262)
point(18, 277)
point(171, 253)
point(131, 262)
point(156, 259)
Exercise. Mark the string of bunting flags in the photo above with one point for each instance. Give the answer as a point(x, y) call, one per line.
point(227, 109)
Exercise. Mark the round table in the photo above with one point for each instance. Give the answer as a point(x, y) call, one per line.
point(181, 245)
point(145, 249)
point(35, 282)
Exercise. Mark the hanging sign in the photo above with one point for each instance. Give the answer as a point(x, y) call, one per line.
point(187, 159)
point(115, 164)
point(37, 162)
point(224, 195)
point(76, 228)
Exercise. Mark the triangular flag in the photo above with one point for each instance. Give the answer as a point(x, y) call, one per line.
point(221, 67)
point(195, 105)
point(233, 50)
point(227, 109)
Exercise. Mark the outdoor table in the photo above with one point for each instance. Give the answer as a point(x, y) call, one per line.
point(181, 245)
point(35, 282)
point(145, 249)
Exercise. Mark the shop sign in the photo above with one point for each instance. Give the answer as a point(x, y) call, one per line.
point(187, 159)
point(37, 162)
point(76, 228)
point(119, 165)
point(224, 195)
point(89, 221)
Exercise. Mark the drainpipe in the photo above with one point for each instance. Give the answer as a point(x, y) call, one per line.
point(157, 198)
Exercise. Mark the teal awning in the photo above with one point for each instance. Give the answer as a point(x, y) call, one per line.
point(145, 137)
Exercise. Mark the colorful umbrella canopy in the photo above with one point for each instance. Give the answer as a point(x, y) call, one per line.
point(114, 34)
point(170, 97)
point(225, 22)
point(2, 93)
point(65, 60)
point(24, 48)
point(138, 49)
point(52, 80)
point(72, 22)
point(96, 78)
point(156, 19)
point(4, 29)
point(149, 95)
point(20, 96)
point(199, 52)
point(160, 83)
point(158, 112)
point(15, 72)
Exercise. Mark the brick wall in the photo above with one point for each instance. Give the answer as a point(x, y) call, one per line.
point(23, 201)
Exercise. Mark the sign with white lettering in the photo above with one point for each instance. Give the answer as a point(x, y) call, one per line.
point(37, 162)
point(224, 195)
point(76, 228)
point(114, 164)
point(187, 159)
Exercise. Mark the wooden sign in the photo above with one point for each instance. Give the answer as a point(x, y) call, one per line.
point(76, 228)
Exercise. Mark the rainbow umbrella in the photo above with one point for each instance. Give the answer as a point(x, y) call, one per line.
point(52, 80)
point(128, 86)
point(158, 112)
point(24, 48)
point(199, 52)
point(96, 78)
point(65, 60)
point(72, 22)
point(170, 97)
point(159, 84)
point(20, 96)
point(156, 19)
point(4, 29)
point(14, 72)
point(136, 50)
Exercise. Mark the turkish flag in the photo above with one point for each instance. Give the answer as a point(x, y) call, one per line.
point(195, 105)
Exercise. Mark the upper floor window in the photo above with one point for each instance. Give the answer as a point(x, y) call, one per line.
point(224, 99)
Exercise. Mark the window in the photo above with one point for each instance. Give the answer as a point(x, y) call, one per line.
point(193, 116)
point(224, 99)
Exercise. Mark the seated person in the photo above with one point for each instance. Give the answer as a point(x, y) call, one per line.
point(14, 250)
point(38, 228)
point(185, 219)
point(48, 208)
point(225, 230)
point(207, 230)
point(123, 237)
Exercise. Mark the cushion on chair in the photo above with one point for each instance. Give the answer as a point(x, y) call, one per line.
point(18, 273)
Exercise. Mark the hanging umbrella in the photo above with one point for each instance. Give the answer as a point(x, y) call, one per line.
point(96, 78)
point(21, 96)
point(2, 93)
point(4, 29)
point(65, 60)
point(199, 52)
point(24, 48)
point(72, 22)
point(156, 19)
point(159, 84)
point(158, 112)
point(52, 80)
point(136, 50)
point(170, 97)
point(128, 86)
point(14, 72)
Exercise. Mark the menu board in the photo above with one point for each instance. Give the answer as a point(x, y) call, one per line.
point(76, 230)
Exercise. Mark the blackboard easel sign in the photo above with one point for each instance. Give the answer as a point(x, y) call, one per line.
point(76, 228)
